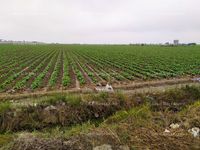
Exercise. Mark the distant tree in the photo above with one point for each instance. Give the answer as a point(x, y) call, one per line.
point(191, 44)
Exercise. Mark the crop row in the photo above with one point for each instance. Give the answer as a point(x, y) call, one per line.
point(37, 66)
point(66, 77)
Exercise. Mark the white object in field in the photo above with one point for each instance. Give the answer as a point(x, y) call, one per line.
point(107, 88)
point(26, 68)
point(194, 131)
point(174, 126)
point(11, 91)
point(49, 108)
point(167, 131)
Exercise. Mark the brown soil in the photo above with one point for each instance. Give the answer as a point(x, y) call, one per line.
point(72, 77)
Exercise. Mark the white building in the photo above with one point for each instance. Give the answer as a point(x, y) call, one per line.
point(176, 42)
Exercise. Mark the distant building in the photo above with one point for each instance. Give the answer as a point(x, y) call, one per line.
point(167, 43)
point(176, 42)
point(19, 42)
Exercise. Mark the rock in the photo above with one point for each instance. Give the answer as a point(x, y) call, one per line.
point(11, 91)
point(96, 115)
point(98, 84)
point(194, 131)
point(103, 147)
point(49, 108)
point(166, 131)
point(109, 88)
point(174, 126)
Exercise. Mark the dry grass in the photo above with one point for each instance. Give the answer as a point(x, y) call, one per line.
point(141, 128)
point(137, 123)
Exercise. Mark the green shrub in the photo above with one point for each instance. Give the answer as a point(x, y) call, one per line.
point(73, 100)
point(4, 107)
point(5, 139)
point(141, 113)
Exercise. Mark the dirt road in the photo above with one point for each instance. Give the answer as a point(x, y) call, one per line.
point(134, 87)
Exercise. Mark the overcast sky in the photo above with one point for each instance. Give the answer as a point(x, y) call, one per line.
point(100, 21)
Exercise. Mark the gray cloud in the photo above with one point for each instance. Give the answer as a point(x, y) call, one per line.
point(100, 21)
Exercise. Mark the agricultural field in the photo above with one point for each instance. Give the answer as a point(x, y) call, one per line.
point(36, 67)
point(161, 110)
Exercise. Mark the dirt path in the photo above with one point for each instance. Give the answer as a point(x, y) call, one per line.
point(77, 84)
point(140, 87)
point(162, 88)
point(141, 84)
